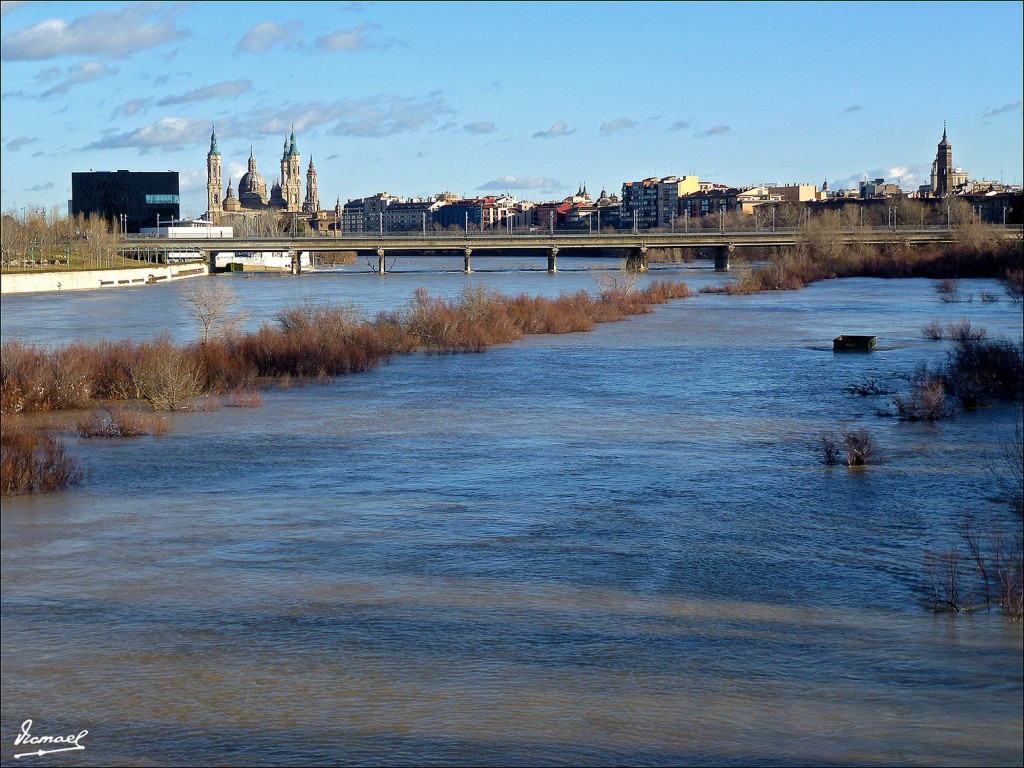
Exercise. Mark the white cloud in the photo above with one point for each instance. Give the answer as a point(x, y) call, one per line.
point(1003, 110)
point(166, 133)
point(558, 129)
point(104, 33)
point(679, 125)
point(78, 74)
point(619, 124)
point(479, 127)
point(234, 171)
point(717, 130)
point(49, 74)
point(132, 107)
point(15, 144)
point(265, 36)
point(521, 182)
point(11, 5)
point(909, 177)
point(351, 40)
point(225, 90)
point(193, 180)
point(372, 117)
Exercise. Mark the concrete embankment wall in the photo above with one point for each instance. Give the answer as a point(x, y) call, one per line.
point(99, 278)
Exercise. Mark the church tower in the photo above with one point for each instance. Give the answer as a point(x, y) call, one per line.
point(291, 174)
point(942, 170)
point(213, 179)
point(312, 202)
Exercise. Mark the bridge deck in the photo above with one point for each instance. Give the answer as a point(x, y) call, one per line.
point(476, 241)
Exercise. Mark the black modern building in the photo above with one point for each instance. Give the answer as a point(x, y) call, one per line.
point(142, 197)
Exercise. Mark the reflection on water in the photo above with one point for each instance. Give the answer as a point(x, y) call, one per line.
point(603, 548)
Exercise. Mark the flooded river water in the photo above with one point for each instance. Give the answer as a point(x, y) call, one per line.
point(615, 547)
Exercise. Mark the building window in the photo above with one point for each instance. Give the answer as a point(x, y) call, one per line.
point(162, 200)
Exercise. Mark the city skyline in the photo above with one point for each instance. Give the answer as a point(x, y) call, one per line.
point(532, 98)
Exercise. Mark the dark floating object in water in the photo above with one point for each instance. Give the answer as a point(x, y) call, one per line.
point(854, 343)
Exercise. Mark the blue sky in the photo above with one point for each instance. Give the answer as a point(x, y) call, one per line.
point(529, 98)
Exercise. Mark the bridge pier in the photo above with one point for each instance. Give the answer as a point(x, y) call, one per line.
point(636, 261)
point(296, 260)
point(553, 260)
point(468, 268)
point(380, 261)
point(722, 254)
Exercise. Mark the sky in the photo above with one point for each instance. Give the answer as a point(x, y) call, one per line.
point(533, 99)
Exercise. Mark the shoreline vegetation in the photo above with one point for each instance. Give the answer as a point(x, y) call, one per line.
point(978, 251)
point(123, 386)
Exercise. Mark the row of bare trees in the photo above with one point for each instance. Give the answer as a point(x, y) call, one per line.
point(898, 211)
point(41, 232)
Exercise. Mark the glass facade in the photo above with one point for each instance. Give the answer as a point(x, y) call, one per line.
point(162, 200)
point(142, 198)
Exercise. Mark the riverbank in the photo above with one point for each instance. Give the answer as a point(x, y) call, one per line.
point(84, 280)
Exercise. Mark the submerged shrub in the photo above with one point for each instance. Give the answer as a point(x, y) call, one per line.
point(869, 387)
point(964, 331)
point(166, 377)
point(32, 379)
point(1013, 282)
point(121, 422)
point(980, 370)
point(34, 461)
point(934, 331)
point(948, 290)
point(854, 448)
point(926, 400)
point(243, 398)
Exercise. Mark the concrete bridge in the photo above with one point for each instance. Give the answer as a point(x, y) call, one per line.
point(550, 244)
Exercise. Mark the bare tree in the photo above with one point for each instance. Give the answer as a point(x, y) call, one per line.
point(620, 283)
point(211, 304)
point(166, 377)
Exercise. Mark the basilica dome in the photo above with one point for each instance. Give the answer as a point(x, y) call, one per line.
point(252, 186)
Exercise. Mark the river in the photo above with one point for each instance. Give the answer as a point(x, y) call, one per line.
point(615, 547)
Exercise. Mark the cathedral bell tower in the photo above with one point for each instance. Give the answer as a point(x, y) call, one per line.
point(291, 175)
point(312, 202)
point(213, 179)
